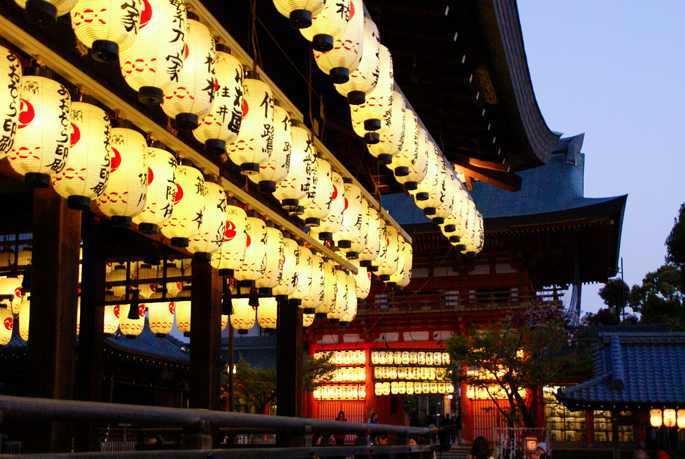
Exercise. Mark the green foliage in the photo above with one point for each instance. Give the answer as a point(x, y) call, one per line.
point(659, 298)
point(615, 294)
point(316, 372)
point(604, 316)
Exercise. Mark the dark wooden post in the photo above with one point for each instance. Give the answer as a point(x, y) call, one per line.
point(205, 340)
point(89, 365)
point(54, 299)
point(614, 435)
point(289, 365)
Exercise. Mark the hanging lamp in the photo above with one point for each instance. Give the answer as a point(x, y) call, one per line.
point(153, 64)
point(351, 310)
point(160, 315)
point(321, 196)
point(6, 324)
point(347, 50)
point(304, 277)
point(362, 281)
point(390, 143)
point(300, 12)
point(275, 170)
point(364, 78)
point(183, 310)
point(359, 243)
point(340, 307)
point(10, 98)
point(401, 278)
point(189, 205)
point(351, 227)
point(407, 152)
point(383, 250)
point(373, 116)
point(44, 13)
point(298, 182)
point(416, 170)
point(328, 25)
point(273, 272)
point(25, 317)
point(429, 191)
point(232, 252)
point(332, 223)
point(315, 297)
point(372, 245)
point(161, 189)
point(267, 313)
point(254, 264)
point(392, 254)
point(243, 316)
point(131, 327)
point(291, 268)
point(213, 229)
point(444, 209)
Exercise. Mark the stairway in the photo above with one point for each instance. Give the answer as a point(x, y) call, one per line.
point(456, 452)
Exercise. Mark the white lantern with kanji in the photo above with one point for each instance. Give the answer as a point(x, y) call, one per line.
point(315, 297)
point(126, 192)
point(298, 182)
point(329, 24)
point(131, 327)
point(254, 144)
point(304, 277)
point(267, 313)
point(243, 316)
point(161, 189)
point(351, 227)
point(11, 287)
point(254, 264)
point(408, 149)
point(392, 254)
point(106, 26)
point(192, 97)
point(373, 239)
point(6, 324)
point(321, 196)
point(10, 98)
point(374, 114)
point(347, 49)
point(425, 194)
point(45, 12)
point(160, 315)
point(359, 243)
point(390, 142)
point(153, 64)
point(189, 206)
point(291, 269)
point(275, 252)
point(308, 320)
point(351, 310)
point(275, 170)
point(402, 276)
point(221, 125)
point(340, 307)
point(362, 280)
point(213, 229)
point(364, 78)
point(300, 12)
point(444, 209)
point(146, 276)
point(417, 169)
point(232, 252)
point(330, 290)
point(329, 225)
point(41, 144)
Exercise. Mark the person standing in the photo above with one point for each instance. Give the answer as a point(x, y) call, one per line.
point(373, 420)
point(480, 449)
point(340, 438)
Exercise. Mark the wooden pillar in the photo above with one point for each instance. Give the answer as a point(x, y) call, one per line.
point(54, 298)
point(590, 427)
point(289, 364)
point(614, 435)
point(89, 365)
point(205, 338)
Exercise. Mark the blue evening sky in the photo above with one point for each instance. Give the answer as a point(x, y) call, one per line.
point(615, 70)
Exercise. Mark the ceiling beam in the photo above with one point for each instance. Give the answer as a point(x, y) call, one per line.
point(505, 180)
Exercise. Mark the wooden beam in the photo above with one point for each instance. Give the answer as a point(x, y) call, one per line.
point(490, 165)
point(505, 180)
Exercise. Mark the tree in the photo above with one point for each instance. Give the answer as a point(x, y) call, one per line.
point(615, 294)
point(519, 352)
point(659, 299)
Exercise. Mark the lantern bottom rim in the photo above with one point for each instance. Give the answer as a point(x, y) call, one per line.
point(290, 204)
point(37, 180)
point(385, 158)
point(105, 51)
point(300, 19)
point(410, 186)
point(428, 211)
point(249, 168)
point(215, 146)
point(325, 236)
point(352, 255)
point(339, 75)
point(150, 95)
point(321, 315)
point(226, 272)
point(422, 196)
point(148, 228)
point(309, 311)
point(204, 257)
point(372, 138)
point(312, 222)
point(266, 186)
point(344, 324)
point(295, 302)
point(439, 220)
point(186, 121)
point(372, 268)
point(323, 42)
point(265, 291)
point(402, 171)
point(470, 254)
point(344, 244)
point(372, 124)
point(384, 277)
point(460, 247)
point(365, 263)
point(242, 332)
point(450, 228)
point(179, 242)
point(77, 202)
point(356, 97)
point(333, 321)
point(41, 13)
point(121, 222)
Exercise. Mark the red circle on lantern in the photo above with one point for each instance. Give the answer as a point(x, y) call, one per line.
point(116, 311)
point(8, 323)
point(186, 52)
point(17, 292)
point(351, 10)
point(145, 14)
point(249, 241)
point(345, 204)
point(172, 308)
point(335, 192)
point(246, 108)
point(150, 176)
point(75, 135)
point(216, 85)
point(179, 194)
point(141, 310)
point(230, 231)
point(116, 160)
point(26, 113)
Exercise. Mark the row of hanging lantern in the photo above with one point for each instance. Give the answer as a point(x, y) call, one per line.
point(410, 388)
point(410, 358)
point(667, 418)
point(340, 392)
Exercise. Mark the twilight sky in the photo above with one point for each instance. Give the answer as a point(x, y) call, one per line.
point(615, 70)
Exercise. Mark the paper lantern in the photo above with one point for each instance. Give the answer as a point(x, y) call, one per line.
point(182, 308)
point(655, 418)
point(394, 388)
point(131, 327)
point(160, 315)
point(425, 195)
point(12, 286)
point(362, 281)
point(681, 419)
point(467, 244)
point(316, 293)
point(173, 288)
point(161, 189)
point(106, 26)
point(330, 290)
point(298, 182)
point(118, 274)
point(402, 276)
point(417, 169)
point(6, 324)
point(304, 277)
point(244, 316)
point(25, 317)
point(147, 279)
point(386, 388)
point(254, 264)
point(153, 64)
point(221, 125)
point(87, 173)
point(224, 321)
point(359, 243)
point(364, 78)
point(669, 418)
point(41, 143)
point(351, 310)
point(347, 50)
point(254, 144)
point(273, 272)
point(453, 222)
point(479, 236)
point(383, 253)
point(232, 252)
point(405, 150)
point(388, 148)
point(291, 265)
point(329, 24)
point(429, 358)
point(329, 225)
point(308, 320)
point(443, 209)
point(192, 97)
point(321, 195)
point(410, 388)
point(267, 313)
point(275, 170)
point(10, 99)
point(189, 206)
point(373, 239)
point(351, 227)
point(300, 12)
point(126, 192)
point(111, 315)
point(374, 114)
point(213, 228)
point(338, 310)
point(378, 389)
point(45, 12)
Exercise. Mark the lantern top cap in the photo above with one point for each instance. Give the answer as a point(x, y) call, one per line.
point(122, 123)
point(252, 75)
point(223, 48)
point(192, 15)
point(212, 178)
point(158, 144)
point(38, 70)
point(183, 161)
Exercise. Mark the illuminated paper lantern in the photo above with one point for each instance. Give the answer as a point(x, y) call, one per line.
point(87, 172)
point(308, 320)
point(213, 228)
point(384, 243)
point(321, 195)
point(298, 182)
point(189, 207)
point(131, 327)
point(147, 280)
point(224, 321)
point(111, 315)
point(41, 143)
point(153, 64)
point(329, 24)
point(340, 308)
point(351, 310)
point(291, 267)
point(254, 264)
point(402, 276)
point(406, 150)
point(681, 419)
point(655, 418)
point(378, 389)
point(25, 317)
point(388, 148)
point(267, 313)
point(243, 317)
point(418, 169)
point(160, 315)
point(316, 293)
point(330, 290)
point(300, 12)
point(347, 49)
point(429, 358)
point(410, 388)
point(10, 98)
point(173, 288)
point(182, 308)
point(304, 277)
point(386, 388)
point(106, 26)
point(351, 227)
point(161, 189)
point(437, 358)
point(45, 12)
point(362, 281)
point(467, 244)
point(453, 222)
point(374, 114)
point(359, 243)
point(479, 236)
point(12, 286)
point(192, 97)
point(364, 78)
point(6, 325)
point(373, 239)
point(221, 125)
point(331, 224)
point(273, 272)
point(275, 170)
point(425, 194)
point(118, 274)
point(394, 388)
point(232, 252)
point(126, 192)
point(669, 418)
point(445, 358)
point(254, 144)
point(444, 208)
